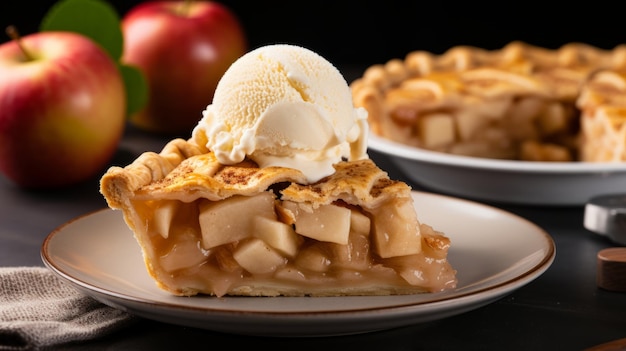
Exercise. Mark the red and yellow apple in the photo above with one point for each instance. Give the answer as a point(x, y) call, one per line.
point(182, 48)
point(62, 109)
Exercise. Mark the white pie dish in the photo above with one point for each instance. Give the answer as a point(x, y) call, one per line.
point(504, 181)
point(494, 252)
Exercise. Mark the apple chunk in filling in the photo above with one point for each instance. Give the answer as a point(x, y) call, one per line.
point(326, 223)
point(356, 254)
point(232, 219)
point(396, 230)
point(163, 217)
point(185, 252)
point(278, 235)
point(256, 257)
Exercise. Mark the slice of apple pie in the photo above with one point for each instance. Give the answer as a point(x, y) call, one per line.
point(208, 228)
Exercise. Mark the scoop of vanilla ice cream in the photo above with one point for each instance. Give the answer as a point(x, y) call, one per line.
point(284, 105)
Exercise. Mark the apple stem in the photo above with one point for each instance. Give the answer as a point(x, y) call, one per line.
point(13, 33)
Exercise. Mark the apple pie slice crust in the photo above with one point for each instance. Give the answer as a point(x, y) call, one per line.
point(207, 228)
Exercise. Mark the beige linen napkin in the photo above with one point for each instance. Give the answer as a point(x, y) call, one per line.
point(38, 310)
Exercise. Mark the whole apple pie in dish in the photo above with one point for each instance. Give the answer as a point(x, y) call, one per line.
point(302, 211)
point(521, 102)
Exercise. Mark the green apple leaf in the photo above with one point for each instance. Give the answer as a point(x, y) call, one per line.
point(99, 21)
point(96, 19)
point(136, 88)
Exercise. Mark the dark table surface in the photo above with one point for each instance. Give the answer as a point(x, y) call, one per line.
point(563, 309)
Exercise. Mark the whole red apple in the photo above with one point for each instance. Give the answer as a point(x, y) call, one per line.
point(183, 49)
point(62, 109)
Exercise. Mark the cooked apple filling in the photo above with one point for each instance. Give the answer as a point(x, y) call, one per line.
point(206, 228)
point(219, 247)
point(521, 102)
point(530, 128)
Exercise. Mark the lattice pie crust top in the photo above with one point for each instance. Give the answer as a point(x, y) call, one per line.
point(521, 102)
point(207, 228)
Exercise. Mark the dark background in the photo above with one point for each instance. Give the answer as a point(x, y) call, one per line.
point(360, 33)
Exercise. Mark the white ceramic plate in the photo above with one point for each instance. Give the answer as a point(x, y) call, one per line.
point(495, 252)
point(504, 181)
